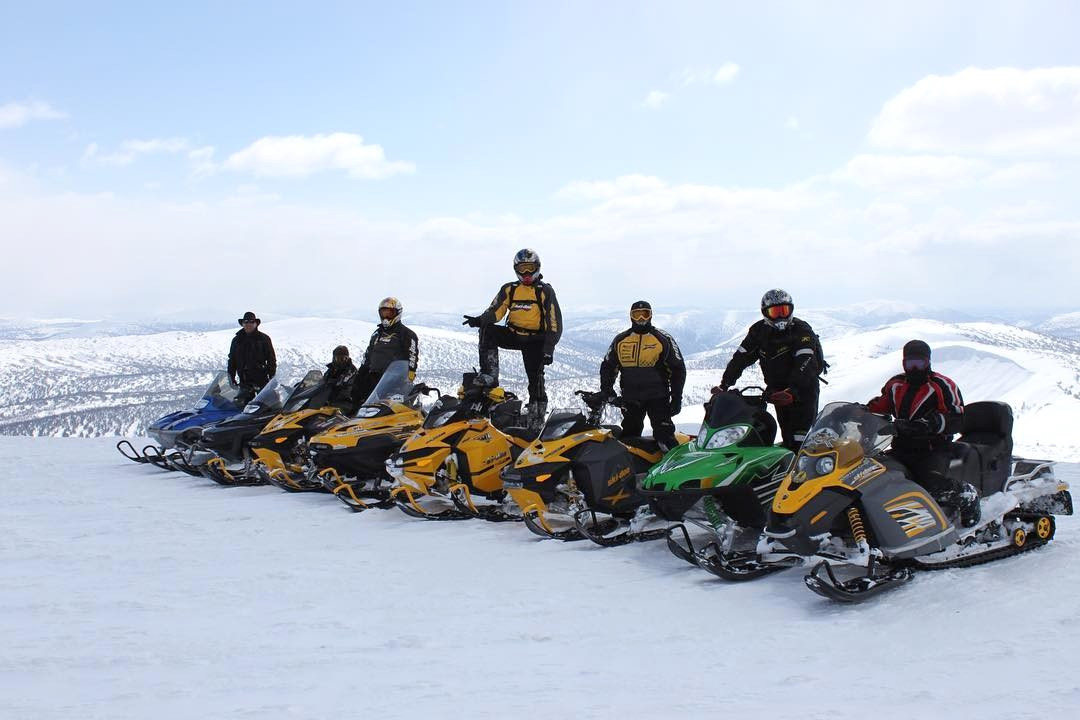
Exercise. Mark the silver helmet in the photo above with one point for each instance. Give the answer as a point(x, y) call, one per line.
point(777, 308)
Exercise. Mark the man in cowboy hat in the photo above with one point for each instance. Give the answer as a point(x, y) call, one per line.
point(251, 358)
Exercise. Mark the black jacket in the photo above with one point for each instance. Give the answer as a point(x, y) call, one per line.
point(789, 358)
point(650, 362)
point(388, 344)
point(251, 358)
point(340, 379)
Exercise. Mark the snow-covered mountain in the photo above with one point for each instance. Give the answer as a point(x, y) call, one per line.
point(78, 382)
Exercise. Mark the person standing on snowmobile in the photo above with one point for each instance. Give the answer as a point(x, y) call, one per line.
point(391, 341)
point(339, 375)
point(652, 376)
point(790, 356)
point(929, 410)
point(252, 361)
point(533, 326)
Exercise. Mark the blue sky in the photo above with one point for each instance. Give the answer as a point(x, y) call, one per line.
point(639, 147)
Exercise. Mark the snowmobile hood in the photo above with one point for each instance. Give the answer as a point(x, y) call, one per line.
point(689, 468)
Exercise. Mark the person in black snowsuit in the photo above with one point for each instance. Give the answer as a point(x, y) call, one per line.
point(790, 356)
point(928, 411)
point(339, 376)
point(652, 376)
point(252, 361)
point(533, 326)
point(391, 341)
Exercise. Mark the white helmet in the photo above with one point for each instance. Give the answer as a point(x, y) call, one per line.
point(393, 306)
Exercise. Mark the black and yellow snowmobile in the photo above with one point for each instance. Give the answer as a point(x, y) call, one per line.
point(349, 458)
point(578, 478)
point(450, 468)
point(223, 451)
point(847, 506)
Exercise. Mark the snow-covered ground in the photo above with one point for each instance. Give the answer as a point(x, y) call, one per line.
point(128, 592)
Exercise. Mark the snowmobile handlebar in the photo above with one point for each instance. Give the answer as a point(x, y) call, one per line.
point(424, 389)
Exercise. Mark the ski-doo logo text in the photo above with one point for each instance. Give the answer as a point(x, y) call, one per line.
point(524, 307)
point(619, 475)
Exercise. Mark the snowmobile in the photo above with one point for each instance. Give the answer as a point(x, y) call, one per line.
point(222, 452)
point(578, 468)
point(845, 506)
point(349, 457)
point(218, 402)
point(724, 481)
point(281, 448)
point(449, 469)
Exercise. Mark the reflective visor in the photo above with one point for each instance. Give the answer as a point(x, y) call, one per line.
point(915, 364)
point(387, 312)
point(526, 268)
point(777, 312)
point(641, 314)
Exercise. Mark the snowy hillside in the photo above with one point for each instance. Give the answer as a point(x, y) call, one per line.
point(117, 384)
point(129, 593)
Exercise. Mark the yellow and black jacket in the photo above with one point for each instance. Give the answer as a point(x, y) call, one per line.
point(529, 310)
point(651, 364)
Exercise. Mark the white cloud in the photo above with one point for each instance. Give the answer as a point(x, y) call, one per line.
point(300, 156)
point(17, 114)
point(923, 173)
point(710, 76)
point(792, 123)
point(130, 150)
point(655, 99)
point(1001, 111)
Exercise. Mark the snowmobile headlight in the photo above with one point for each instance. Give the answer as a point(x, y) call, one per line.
point(825, 465)
point(727, 436)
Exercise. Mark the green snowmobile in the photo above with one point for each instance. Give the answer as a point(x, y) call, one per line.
point(724, 481)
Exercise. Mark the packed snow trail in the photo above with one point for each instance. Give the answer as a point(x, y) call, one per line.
point(128, 592)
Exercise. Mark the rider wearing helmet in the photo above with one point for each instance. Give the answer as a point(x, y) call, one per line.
point(790, 356)
point(929, 410)
point(391, 341)
point(533, 326)
point(652, 376)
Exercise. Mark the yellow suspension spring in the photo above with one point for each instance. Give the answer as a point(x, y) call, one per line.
point(857, 529)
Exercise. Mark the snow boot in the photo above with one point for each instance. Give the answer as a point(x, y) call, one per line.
point(535, 413)
point(969, 507)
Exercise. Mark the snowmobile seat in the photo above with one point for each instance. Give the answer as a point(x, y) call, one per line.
point(985, 445)
point(647, 444)
point(506, 414)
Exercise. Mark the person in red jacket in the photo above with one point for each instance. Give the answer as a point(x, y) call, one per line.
point(928, 410)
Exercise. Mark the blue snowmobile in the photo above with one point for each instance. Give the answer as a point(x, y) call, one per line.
point(181, 428)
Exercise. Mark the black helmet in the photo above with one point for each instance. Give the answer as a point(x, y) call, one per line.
point(777, 308)
point(526, 265)
point(641, 313)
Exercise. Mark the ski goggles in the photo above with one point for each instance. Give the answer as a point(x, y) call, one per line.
point(641, 314)
point(526, 268)
point(778, 312)
point(916, 364)
point(387, 312)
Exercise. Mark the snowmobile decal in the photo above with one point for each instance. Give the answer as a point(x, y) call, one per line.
point(914, 512)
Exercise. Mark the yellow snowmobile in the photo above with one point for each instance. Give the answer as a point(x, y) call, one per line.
point(576, 479)
point(846, 506)
point(450, 468)
point(350, 456)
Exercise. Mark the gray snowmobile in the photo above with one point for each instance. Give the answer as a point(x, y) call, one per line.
point(847, 506)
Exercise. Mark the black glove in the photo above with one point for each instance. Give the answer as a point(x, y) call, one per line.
point(549, 357)
point(911, 428)
point(676, 405)
point(934, 421)
point(472, 321)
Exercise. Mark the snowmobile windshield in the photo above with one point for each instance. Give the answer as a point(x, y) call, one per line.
point(303, 391)
point(220, 392)
point(443, 411)
point(271, 397)
point(848, 429)
point(562, 422)
point(729, 408)
point(393, 386)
